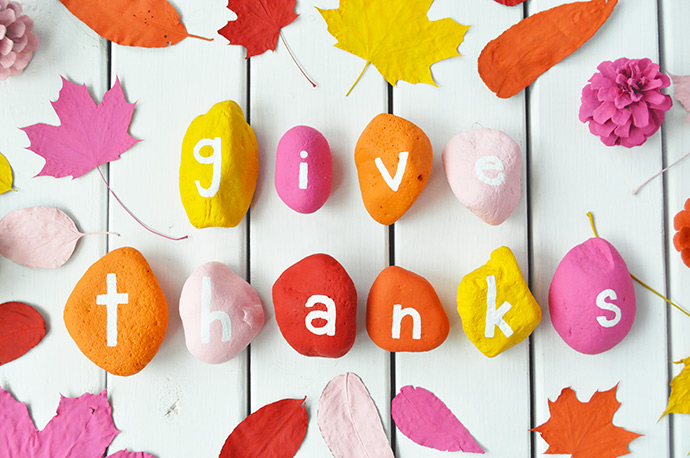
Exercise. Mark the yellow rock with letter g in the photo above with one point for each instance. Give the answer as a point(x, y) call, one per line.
point(219, 167)
point(496, 306)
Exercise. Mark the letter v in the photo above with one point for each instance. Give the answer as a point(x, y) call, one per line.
point(393, 182)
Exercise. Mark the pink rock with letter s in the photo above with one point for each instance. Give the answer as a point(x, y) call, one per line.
point(592, 298)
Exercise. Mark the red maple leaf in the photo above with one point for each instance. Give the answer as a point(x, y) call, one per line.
point(258, 26)
point(89, 135)
point(585, 429)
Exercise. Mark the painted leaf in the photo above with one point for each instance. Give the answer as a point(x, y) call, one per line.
point(510, 2)
point(145, 23)
point(84, 424)
point(681, 86)
point(585, 429)
point(5, 175)
point(125, 454)
point(349, 421)
point(522, 53)
point(258, 23)
point(276, 430)
point(40, 237)
point(679, 400)
point(427, 421)
point(90, 134)
point(397, 37)
point(21, 329)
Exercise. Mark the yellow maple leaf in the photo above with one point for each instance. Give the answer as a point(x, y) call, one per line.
point(5, 175)
point(395, 36)
point(679, 400)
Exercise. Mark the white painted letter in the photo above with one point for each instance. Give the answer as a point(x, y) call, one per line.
point(398, 314)
point(303, 171)
point(602, 304)
point(490, 163)
point(207, 316)
point(494, 317)
point(328, 315)
point(393, 182)
point(216, 158)
point(111, 299)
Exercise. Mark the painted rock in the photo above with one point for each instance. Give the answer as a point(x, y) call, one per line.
point(315, 304)
point(592, 298)
point(483, 168)
point(496, 306)
point(393, 158)
point(219, 167)
point(303, 169)
point(117, 313)
point(221, 313)
point(404, 312)
point(681, 239)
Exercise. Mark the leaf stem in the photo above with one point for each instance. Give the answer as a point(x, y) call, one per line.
point(313, 84)
point(357, 80)
point(636, 190)
point(198, 37)
point(132, 214)
point(100, 233)
point(594, 229)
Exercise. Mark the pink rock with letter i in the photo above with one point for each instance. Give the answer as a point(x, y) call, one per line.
point(221, 313)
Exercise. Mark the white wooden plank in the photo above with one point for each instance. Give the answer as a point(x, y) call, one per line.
point(177, 406)
point(676, 39)
point(442, 241)
point(56, 365)
point(572, 172)
point(281, 98)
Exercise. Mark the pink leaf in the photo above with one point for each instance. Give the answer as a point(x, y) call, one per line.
point(349, 421)
point(426, 420)
point(82, 427)
point(41, 237)
point(90, 134)
point(681, 86)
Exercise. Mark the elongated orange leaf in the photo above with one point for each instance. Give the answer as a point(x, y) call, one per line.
point(276, 430)
point(522, 53)
point(585, 429)
point(144, 23)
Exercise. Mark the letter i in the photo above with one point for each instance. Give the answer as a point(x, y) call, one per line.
point(303, 171)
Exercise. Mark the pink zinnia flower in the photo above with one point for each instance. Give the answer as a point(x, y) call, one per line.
point(623, 102)
point(17, 40)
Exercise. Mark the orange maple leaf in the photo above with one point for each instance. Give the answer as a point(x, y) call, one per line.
point(585, 429)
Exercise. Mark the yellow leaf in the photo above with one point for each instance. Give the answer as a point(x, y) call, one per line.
point(395, 36)
point(5, 175)
point(679, 400)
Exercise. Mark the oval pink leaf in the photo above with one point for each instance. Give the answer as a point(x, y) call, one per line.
point(349, 421)
point(427, 421)
point(41, 237)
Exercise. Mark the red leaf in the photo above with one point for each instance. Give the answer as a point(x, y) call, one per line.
point(258, 23)
point(90, 134)
point(274, 431)
point(21, 329)
point(510, 2)
point(585, 429)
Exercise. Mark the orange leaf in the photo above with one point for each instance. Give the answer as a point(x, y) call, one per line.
point(515, 59)
point(145, 23)
point(585, 429)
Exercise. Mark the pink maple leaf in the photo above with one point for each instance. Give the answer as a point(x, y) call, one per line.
point(82, 428)
point(89, 135)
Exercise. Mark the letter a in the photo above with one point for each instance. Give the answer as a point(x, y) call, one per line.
point(494, 317)
point(393, 182)
point(328, 315)
point(398, 314)
point(207, 316)
point(602, 304)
